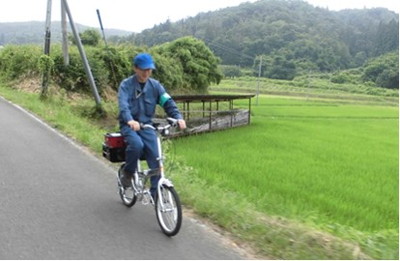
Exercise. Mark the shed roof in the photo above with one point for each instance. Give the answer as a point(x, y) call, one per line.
point(207, 97)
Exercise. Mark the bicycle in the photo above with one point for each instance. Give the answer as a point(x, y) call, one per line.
point(167, 203)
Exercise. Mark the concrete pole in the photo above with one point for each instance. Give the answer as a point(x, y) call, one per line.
point(48, 29)
point(83, 55)
point(101, 26)
point(47, 38)
point(258, 82)
point(64, 34)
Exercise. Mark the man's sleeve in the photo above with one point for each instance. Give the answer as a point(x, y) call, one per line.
point(123, 98)
point(169, 105)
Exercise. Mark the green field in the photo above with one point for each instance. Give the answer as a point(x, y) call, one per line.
point(320, 162)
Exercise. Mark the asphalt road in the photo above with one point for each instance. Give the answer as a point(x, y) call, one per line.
point(59, 202)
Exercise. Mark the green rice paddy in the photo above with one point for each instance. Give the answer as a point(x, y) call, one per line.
point(324, 162)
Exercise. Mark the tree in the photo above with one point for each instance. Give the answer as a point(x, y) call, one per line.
point(387, 37)
point(199, 64)
point(88, 37)
point(168, 72)
point(383, 71)
point(231, 71)
point(282, 68)
point(320, 39)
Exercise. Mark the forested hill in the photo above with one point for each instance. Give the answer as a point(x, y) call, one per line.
point(33, 32)
point(289, 32)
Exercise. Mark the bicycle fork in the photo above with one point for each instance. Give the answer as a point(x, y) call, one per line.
point(162, 181)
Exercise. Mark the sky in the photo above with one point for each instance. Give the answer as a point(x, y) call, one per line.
point(135, 15)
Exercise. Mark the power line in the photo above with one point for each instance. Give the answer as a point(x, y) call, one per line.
point(229, 50)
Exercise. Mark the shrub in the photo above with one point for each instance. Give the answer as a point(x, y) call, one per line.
point(73, 77)
point(340, 78)
point(186, 63)
point(384, 71)
point(231, 71)
point(117, 64)
point(16, 61)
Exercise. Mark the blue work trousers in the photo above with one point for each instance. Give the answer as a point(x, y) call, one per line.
point(141, 144)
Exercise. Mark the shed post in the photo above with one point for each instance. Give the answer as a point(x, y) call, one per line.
point(210, 115)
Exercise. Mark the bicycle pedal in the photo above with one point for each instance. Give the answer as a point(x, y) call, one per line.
point(147, 198)
point(145, 201)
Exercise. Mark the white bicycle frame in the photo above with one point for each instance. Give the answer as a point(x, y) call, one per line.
point(163, 180)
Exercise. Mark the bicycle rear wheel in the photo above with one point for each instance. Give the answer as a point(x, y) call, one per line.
point(169, 211)
point(127, 195)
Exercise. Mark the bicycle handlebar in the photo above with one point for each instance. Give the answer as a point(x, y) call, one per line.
point(171, 123)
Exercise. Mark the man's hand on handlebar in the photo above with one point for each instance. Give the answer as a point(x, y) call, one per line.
point(182, 124)
point(134, 125)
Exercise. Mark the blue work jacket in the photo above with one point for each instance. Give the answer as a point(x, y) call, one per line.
point(140, 104)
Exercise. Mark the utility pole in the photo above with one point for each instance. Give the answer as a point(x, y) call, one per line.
point(258, 82)
point(101, 26)
point(83, 55)
point(47, 38)
point(64, 34)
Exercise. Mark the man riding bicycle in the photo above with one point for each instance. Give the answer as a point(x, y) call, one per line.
point(138, 96)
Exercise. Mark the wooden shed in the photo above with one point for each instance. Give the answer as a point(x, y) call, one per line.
point(205, 113)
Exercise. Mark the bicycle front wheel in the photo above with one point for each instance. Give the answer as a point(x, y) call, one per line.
point(169, 211)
